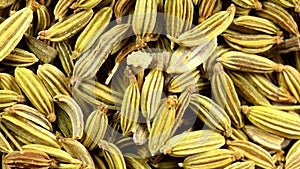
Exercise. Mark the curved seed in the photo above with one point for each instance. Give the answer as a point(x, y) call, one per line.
point(70, 106)
point(274, 121)
point(253, 152)
point(29, 113)
point(95, 127)
point(58, 154)
point(30, 159)
point(193, 142)
point(54, 80)
point(278, 15)
point(112, 155)
point(36, 92)
point(20, 58)
point(78, 151)
point(207, 30)
point(66, 28)
point(212, 159)
point(12, 30)
point(211, 114)
point(226, 96)
point(92, 31)
point(235, 60)
point(162, 126)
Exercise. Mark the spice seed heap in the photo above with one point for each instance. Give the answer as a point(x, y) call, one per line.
point(141, 84)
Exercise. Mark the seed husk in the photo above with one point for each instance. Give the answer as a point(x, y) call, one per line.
point(211, 114)
point(207, 30)
point(274, 121)
point(252, 152)
point(193, 142)
point(13, 29)
point(211, 159)
point(226, 95)
point(29, 158)
point(162, 125)
point(35, 91)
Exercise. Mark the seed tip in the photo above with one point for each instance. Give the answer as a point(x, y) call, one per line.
point(279, 68)
point(278, 39)
point(237, 155)
point(51, 117)
point(231, 9)
point(245, 109)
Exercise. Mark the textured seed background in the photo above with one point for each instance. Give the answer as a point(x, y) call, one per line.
point(149, 84)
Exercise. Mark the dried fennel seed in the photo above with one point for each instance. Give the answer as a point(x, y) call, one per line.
point(67, 99)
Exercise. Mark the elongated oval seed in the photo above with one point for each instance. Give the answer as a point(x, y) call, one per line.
point(29, 158)
point(211, 114)
point(274, 121)
point(252, 152)
point(95, 127)
point(20, 57)
point(151, 93)
point(52, 76)
point(130, 106)
point(226, 96)
point(77, 150)
point(12, 30)
point(91, 60)
point(235, 60)
point(257, 23)
point(267, 140)
point(212, 159)
point(70, 106)
point(92, 31)
point(113, 155)
point(163, 123)
point(68, 27)
point(292, 157)
point(209, 29)
point(35, 91)
point(193, 142)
